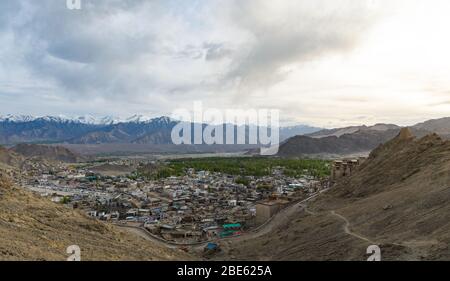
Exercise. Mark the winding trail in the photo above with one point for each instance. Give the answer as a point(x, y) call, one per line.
point(142, 232)
point(347, 230)
point(275, 221)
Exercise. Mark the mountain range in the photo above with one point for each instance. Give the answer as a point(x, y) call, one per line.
point(137, 129)
point(355, 139)
point(85, 119)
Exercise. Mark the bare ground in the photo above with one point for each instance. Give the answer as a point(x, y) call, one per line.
point(33, 228)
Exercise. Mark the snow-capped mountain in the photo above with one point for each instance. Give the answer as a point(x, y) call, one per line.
point(137, 119)
point(85, 119)
point(56, 119)
point(17, 118)
point(164, 120)
point(88, 129)
point(105, 120)
point(85, 129)
point(108, 120)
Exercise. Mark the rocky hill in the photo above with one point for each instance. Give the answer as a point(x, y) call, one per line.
point(356, 139)
point(51, 153)
point(398, 199)
point(33, 228)
point(360, 141)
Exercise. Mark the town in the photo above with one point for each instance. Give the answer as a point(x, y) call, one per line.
point(195, 207)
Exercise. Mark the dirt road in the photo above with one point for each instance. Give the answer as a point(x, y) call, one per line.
point(144, 234)
point(276, 221)
point(347, 230)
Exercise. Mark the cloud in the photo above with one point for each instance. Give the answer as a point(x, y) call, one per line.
point(216, 51)
point(287, 33)
point(158, 55)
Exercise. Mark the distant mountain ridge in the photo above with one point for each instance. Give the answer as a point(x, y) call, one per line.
point(296, 141)
point(356, 139)
point(439, 126)
point(137, 129)
point(361, 141)
point(352, 129)
point(85, 119)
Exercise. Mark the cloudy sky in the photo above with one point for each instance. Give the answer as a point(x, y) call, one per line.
point(323, 62)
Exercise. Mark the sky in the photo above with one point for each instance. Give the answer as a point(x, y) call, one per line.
point(326, 63)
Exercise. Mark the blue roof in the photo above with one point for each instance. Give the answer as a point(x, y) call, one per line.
point(211, 246)
point(232, 225)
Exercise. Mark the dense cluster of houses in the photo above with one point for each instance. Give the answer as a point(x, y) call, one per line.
point(196, 207)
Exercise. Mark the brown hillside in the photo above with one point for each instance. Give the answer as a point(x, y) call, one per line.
point(356, 142)
point(32, 228)
point(9, 158)
point(52, 153)
point(398, 199)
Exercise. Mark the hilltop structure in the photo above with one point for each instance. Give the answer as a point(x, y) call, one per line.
point(344, 168)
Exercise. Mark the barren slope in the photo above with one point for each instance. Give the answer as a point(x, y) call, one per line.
point(398, 199)
point(52, 153)
point(32, 228)
point(9, 159)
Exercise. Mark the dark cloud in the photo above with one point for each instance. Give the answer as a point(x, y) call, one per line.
point(216, 51)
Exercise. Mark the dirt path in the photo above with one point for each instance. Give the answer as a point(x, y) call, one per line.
point(347, 230)
point(142, 233)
